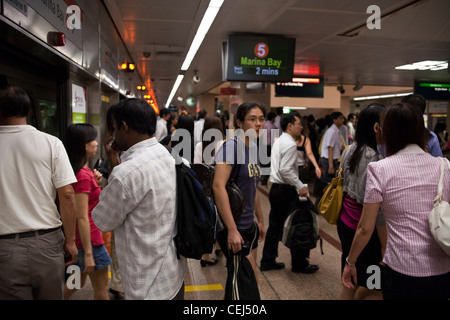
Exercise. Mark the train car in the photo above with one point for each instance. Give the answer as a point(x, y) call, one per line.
point(66, 58)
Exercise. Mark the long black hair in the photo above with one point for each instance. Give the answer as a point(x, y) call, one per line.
point(364, 134)
point(76, 138)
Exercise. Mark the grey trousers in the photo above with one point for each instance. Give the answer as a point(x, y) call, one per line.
point(33, 267)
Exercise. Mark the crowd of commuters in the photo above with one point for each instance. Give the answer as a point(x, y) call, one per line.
point(383, 220)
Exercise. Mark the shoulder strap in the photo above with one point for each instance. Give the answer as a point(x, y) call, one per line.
point(236, 176)
point(441, 180)
point(304, 141)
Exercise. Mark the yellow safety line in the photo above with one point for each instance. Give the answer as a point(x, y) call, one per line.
point(205, 287)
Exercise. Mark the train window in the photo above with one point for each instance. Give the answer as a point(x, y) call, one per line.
point(48, 118)
point(32, 118)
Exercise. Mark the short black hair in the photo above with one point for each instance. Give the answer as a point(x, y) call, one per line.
point(271, 115)
point(202, 114)
point(417, 100)
point(336, 115)
point(402, 125)
point(288, 118)
point(245, 108)
point(137, 114)
point(164, 112)
point(14, 102)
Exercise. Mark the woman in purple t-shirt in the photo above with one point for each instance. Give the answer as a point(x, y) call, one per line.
point(239, 157)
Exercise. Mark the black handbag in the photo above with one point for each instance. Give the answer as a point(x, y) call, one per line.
point(236, 196)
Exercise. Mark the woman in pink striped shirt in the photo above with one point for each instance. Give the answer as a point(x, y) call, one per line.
point(404, 184)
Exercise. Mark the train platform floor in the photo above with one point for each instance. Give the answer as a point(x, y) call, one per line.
point(208, 283)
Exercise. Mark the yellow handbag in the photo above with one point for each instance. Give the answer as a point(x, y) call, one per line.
point(330, 204)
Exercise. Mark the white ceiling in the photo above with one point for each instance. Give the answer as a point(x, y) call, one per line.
point(165, 29)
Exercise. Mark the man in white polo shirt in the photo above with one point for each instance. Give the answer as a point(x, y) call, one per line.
point(34, 169)
point(332, 145)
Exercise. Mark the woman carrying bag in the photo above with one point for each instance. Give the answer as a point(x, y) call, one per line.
point(238, 156)
point(404, 184)
point(355, 160)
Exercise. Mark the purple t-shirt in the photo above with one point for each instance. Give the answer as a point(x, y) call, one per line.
point(244, 161)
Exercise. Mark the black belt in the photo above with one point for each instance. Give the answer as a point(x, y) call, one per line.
point(283, 186)
point(27, 234)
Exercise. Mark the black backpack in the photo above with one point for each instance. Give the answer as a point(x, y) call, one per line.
point(196, 214)
point(301, 228)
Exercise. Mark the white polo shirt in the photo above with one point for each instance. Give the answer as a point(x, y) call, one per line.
point(33, 165)
point(332, 138)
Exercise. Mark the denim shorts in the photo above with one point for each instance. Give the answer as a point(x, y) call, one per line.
point(101, 258)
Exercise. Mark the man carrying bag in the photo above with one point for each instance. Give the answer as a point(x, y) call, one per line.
point(286, 187)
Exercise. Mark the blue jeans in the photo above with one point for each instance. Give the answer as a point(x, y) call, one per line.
point(325, 166)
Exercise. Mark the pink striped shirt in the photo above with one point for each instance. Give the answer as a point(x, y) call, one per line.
point(406, 185)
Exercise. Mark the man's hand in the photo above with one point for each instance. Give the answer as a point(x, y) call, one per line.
point(303, 192)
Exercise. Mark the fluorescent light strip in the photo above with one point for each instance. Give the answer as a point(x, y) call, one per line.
point(382, 96)
point(174, 89)
point(208, 19)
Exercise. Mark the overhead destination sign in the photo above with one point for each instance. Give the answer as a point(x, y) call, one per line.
point(259, 58)
point(432, 90)
point(301, 86)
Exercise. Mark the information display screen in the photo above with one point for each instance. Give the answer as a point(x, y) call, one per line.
point(258, 58)
point(301, 86)
point(432, 90)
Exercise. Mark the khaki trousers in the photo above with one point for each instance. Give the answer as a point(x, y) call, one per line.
point(32, 268)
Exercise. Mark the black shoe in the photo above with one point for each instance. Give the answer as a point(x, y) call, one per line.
point(265, 266)
point(205, 263)
point(310, 268)
point(116, 295)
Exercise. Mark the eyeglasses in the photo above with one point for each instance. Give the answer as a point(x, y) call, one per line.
point(254, 119)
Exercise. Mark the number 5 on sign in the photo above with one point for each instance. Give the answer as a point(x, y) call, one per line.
point(261, 50)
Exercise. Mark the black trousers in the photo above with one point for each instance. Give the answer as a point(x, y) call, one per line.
point(280, 197)
point(400, 286)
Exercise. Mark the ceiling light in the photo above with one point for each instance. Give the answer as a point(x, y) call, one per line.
point(425, 65)
point(208, 19)
point(174, 89)
point(385, 96)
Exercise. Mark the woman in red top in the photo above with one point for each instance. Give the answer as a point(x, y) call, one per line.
point(93, 258)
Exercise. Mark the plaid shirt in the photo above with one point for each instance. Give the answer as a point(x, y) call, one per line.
point(139, 205)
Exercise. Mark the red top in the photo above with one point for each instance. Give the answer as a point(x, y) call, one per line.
point(87, 184)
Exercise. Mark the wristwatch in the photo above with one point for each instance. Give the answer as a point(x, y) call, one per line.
point(348, 262)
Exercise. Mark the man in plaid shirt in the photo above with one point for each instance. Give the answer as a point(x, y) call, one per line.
point(139, 205)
